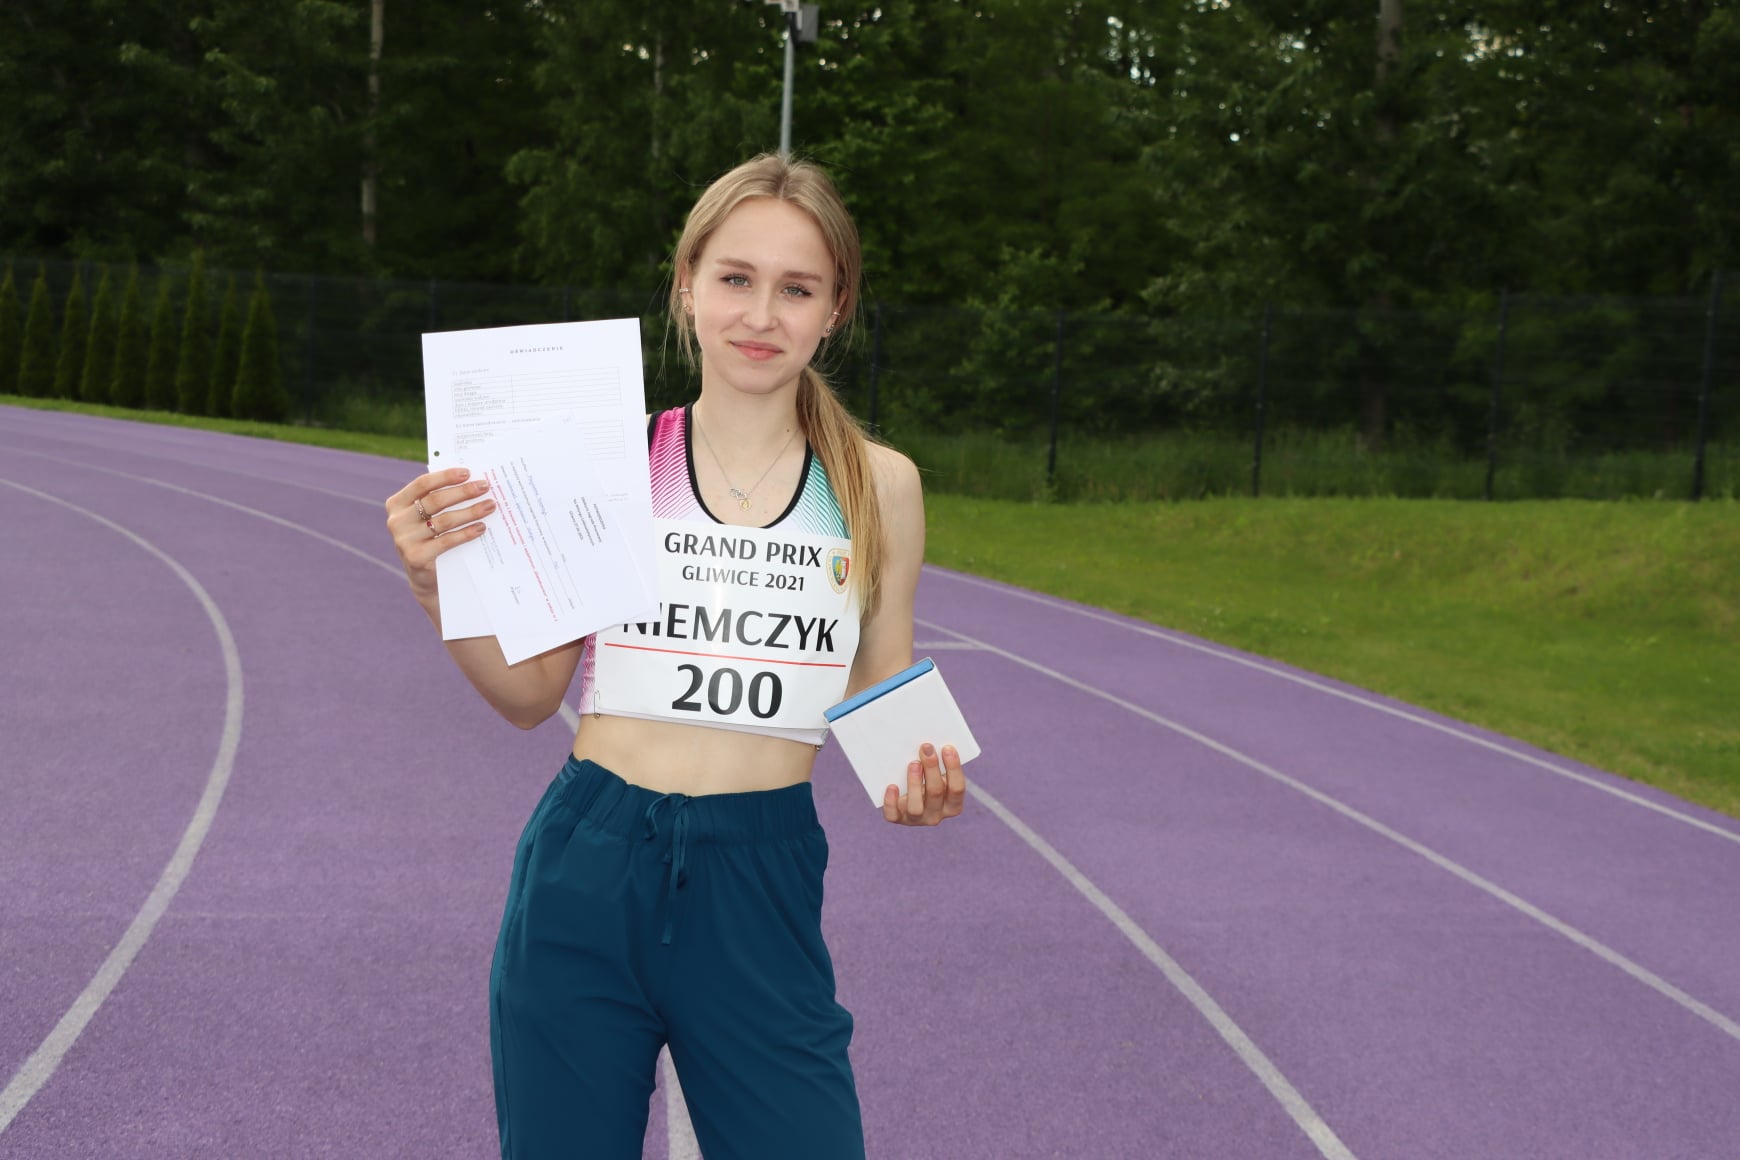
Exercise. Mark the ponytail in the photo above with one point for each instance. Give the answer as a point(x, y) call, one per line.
point(844, 450)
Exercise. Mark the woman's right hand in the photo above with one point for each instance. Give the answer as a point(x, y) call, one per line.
point(432, 514)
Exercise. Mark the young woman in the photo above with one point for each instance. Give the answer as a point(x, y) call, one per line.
point(668, 887)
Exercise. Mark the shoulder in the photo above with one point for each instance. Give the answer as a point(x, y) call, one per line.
point(895, 475)
point(899, 495)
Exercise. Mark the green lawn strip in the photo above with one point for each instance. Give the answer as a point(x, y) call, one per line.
point(393, 446)
point(1606, 632)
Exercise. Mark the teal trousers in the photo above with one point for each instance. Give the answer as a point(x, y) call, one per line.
point(636, 919)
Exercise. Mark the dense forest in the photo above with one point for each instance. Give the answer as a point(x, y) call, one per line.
point(1128, 156)
point(1479, 232)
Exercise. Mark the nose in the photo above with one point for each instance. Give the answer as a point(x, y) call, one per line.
point(758, 314)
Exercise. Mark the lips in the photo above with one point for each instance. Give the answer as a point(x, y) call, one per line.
point(758, 351)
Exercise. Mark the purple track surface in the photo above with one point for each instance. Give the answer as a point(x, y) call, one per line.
point(1201, 904)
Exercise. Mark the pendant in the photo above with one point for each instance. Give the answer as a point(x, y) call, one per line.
point(743, 503)
point(742, 500)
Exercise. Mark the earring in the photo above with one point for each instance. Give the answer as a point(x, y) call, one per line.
point(829, 328)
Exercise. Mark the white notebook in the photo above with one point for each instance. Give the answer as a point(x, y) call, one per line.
point(881, 728)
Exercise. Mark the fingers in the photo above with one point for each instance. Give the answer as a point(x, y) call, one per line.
point(425, 518)
point(420, 488)
point(912, 802)
point(460, 519)
point(955, 792)
point(936, 788)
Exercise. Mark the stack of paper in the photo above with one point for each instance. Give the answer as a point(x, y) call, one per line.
point(554, 416)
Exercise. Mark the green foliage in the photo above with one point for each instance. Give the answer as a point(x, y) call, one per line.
point(193, 368)
point(100, 350)
point(227, 358)
point(127, 377)
point(160, 362)
point(11, 334)
point(36, 366)
point(1146, 157)
point(260, 390)
point(75, 323)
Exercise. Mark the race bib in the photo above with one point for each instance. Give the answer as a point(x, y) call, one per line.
point(757, 630)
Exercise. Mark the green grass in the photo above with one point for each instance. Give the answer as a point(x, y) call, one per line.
point(1608, 632)
point(395, 446)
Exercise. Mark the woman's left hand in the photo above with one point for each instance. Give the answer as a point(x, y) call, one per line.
point(936, 788)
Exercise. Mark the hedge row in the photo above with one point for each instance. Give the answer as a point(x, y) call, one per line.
point(181, 359)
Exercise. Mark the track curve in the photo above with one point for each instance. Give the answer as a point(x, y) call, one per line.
point(1381, 903)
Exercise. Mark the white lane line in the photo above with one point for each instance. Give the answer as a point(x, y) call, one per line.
point(1183, 641)
point(220, 501)
point(1295, 1105)
point(683, 1145)
point(40, 1067)
point(255, 476)
point(1606, 953)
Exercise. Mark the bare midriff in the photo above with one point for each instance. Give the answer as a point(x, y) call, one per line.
point(672, 757)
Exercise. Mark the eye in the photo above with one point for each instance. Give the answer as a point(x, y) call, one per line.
point(796, 291)
point(735, 280)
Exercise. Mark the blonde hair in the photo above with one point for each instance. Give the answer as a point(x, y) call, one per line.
point(838, 439)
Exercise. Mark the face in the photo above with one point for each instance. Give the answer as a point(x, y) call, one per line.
point(761, 292)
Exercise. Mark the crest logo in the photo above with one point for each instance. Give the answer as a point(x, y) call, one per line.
point(839, 567)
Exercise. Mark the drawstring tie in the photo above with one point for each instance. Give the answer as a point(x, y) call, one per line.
point(675, 854)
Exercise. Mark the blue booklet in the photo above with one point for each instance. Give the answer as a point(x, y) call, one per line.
point(880, 729)
point(917, 669)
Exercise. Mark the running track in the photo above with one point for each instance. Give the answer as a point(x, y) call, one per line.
point(255, 832)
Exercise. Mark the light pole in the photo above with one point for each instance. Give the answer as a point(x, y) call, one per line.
point(801, 21)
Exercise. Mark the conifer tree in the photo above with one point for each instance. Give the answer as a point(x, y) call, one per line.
point(36, 365)
point(75, 328)
point(228, 355)
point(127, 377)
point(259, 387)
point(160, 362)
point(193, 369)
point(100, 351)
point(11, 335)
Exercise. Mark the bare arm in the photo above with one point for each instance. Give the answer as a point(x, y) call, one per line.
point(936, 787)
point(885, 639)
point(527, 694)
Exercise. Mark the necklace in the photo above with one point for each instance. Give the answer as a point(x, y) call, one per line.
point(741, 496)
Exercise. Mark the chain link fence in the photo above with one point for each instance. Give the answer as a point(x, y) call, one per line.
point(1534, 396)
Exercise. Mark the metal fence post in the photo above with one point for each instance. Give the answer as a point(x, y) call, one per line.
point(1056, 391)
point(1262, 399)
point(308, 359)
point(1497, 391)
point(1713, 313)
point(875, 359)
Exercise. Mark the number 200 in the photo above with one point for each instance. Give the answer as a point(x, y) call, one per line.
point(725, 692)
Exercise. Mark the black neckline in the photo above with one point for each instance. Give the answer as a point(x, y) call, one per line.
point(695, 485)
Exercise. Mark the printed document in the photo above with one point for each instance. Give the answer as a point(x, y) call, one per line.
point(577, 388)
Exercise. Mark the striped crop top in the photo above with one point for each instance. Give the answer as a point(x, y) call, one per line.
point(675, 495)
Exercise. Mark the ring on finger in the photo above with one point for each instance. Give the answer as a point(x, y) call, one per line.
point(430, 524)
point(422, 512)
